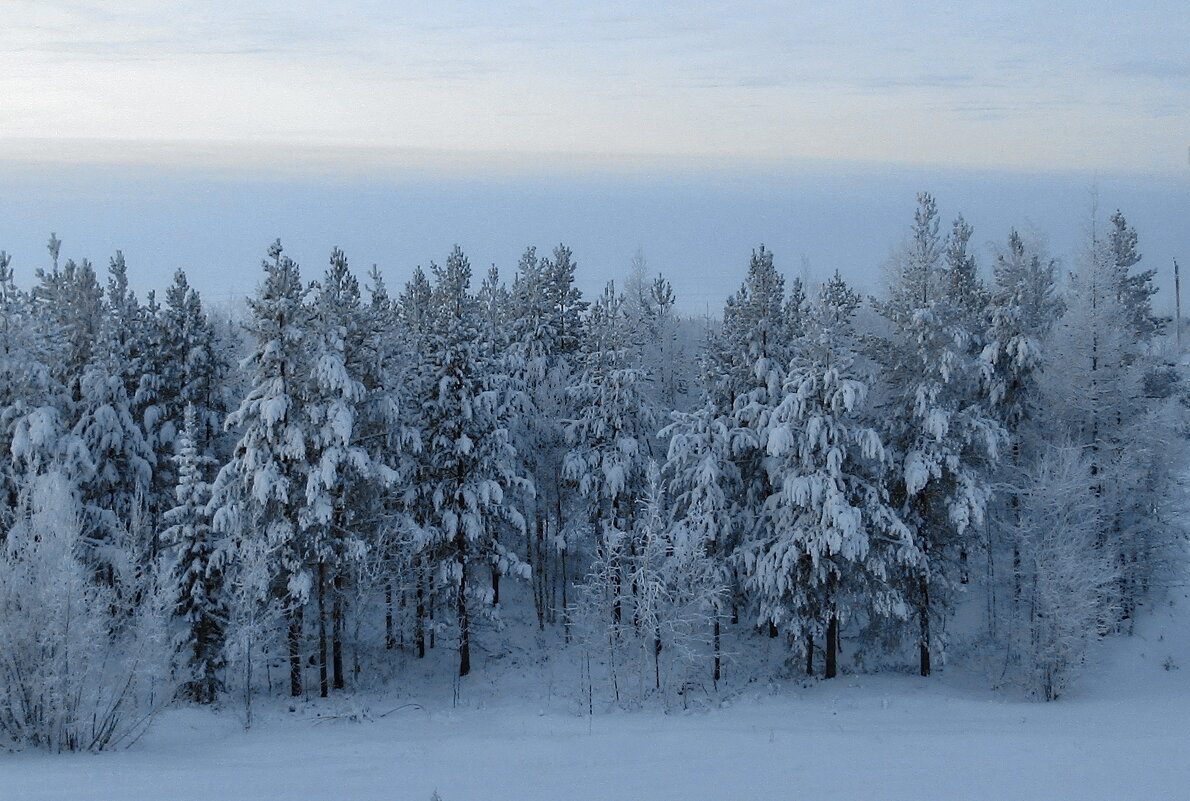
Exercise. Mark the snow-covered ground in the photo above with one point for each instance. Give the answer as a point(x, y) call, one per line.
point(1122, 733)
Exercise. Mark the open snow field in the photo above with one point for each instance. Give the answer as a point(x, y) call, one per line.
point(1122, 733)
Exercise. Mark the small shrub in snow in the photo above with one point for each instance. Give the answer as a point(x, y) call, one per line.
point(77, 669)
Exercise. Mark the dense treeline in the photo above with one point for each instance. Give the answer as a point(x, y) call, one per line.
point(185, 500)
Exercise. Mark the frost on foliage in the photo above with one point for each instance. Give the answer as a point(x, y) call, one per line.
point(77, 665)
point(829, 538)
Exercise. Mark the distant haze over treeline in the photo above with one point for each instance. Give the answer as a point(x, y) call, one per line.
point(695, 224)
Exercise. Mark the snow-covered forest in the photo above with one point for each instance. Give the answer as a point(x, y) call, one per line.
point(313, 496)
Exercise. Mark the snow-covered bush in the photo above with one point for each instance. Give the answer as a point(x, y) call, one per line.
point(77, 669)
point(650, 597)
point(1071, 572)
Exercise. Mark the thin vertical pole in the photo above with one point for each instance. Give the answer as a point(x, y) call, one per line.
point(1177, 294)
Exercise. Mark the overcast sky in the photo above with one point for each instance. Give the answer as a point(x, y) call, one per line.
point(1010, 83)
point(193, 133)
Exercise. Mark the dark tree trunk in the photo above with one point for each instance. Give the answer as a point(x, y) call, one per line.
point(924, 643)
point(323, 683)
point(565, 601)
point(495, 586)
point(539, 574)
point(809, 654)
point(656, 659)
point(295, 652)
point(389, 639)
point(1014, 504)
point(338, 679)
point(617, 613)
point(832, 647)
point(772, 629)
point(715, 647)
point(464, 622)
point(419, 623)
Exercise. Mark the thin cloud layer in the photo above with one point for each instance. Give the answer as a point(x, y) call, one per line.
point(989, 85)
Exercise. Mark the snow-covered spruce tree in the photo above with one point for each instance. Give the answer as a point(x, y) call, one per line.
point(936, 425)
point(1024, 304)
point(260, 492)
point(759, 322)
point(610, 433)
point(333, 516)
point(197, 572)
point(1145, 511)
point(129, 324)
point(188, 370)
point(77, 666)
point(830, 544)
point(470, 466)
point(1069, 576)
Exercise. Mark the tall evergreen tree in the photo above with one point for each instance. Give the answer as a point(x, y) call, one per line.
point(197, 570)
point(831, 541)
point(260, 492)
point(614, 422)
point(341, 468)
point(470, 463)
point(1134, 290)
point(935, 421)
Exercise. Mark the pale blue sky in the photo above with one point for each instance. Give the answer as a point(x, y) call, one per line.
point(193, 133)
point(1006, 84)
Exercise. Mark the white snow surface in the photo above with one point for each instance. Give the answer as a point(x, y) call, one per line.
point(1122, 733)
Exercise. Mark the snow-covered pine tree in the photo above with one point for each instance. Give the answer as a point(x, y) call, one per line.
point(415, 319)
point(31, 401)
point(470, 466)
point(1094, 395)
point(547, 328)
point(42, 368)
point(744, 371)
point(69, 301)
point(342, 475)
point(115, 492)
point(615, 420)
point(383, 432)
point(504, 379)
point(1023, 306)
point(197, 572)
point(1134, 290)
point(701, 473)
point(260, 491)
point(935, 422)
point(831, 542)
